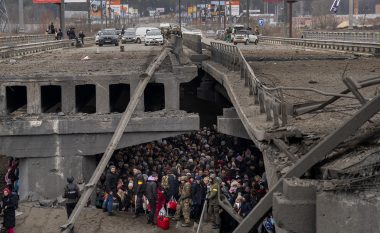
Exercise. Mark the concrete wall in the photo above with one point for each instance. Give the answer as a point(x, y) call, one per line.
point(347, 213)
point(54, 146)
point(171, 84)
point(43, 178)
point(302, 207)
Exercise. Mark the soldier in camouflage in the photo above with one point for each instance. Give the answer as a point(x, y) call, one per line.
point(184, 202)
point(213, 202)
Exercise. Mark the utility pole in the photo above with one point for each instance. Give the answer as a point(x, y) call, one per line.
point(179, 16)
point(89, 16)
point(290, 3)
point(101, 13)
point(21, 16)
point(106, 10)
point(220, 19)
point(350, 15)
point(356, 7)
point(62, 17)
point(248, 14)
point(224, 17)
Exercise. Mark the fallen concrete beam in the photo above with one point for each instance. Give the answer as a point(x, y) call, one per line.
point(310, 159)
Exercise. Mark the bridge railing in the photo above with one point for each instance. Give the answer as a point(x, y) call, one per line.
point(24, 39)
point(273, 106)
point(349, 46)
point(192, 41)
point(23, 49)
point(343, 36)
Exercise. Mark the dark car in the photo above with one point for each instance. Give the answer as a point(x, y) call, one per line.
point(108, 36)
point(129, 36)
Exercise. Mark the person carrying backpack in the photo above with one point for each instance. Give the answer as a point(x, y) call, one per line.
point(72, 195)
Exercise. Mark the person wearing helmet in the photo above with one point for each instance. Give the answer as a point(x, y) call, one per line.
point(184, 202)
point(212, 198)
point(71, 194)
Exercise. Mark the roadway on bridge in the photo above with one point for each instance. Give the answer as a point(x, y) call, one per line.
point(83, 61)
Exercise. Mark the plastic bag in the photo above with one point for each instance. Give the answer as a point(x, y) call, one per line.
point(162, 212)
point(172, 204)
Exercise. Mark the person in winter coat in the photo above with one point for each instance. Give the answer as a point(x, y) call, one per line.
point(9, 208)
point(173, 185)
point(160, 202)
point(198, 195)
point(139, 186)
point(111, 190)
point(151, 194)
point(72, 194)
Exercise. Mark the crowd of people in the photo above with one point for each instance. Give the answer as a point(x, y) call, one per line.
point(10, 198)
point(177, 175)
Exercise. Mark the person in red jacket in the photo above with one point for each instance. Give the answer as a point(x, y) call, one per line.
point(161, 201)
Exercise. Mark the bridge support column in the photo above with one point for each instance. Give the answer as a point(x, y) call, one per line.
point(45, 178)
point(133, 86)
point(33, 99)
point(3, 101)
point(102, 98)
point(172, 94)
point(294, 209)
point(68, 98)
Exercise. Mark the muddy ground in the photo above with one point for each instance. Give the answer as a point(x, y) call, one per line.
point(91, 220)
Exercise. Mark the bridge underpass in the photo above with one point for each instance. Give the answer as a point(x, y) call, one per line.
point(279, 155)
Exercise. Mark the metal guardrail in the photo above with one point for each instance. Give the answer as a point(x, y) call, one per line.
point(273, 106)
point(349, 46)
point(202, 218)
point(343, 36)
point(23, 49)
point(24, 39)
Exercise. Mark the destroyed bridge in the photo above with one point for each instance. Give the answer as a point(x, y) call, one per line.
point(316, 124)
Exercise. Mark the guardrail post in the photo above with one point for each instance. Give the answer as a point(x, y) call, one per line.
point(268, 108)
point(276, 110)
point(261, 101)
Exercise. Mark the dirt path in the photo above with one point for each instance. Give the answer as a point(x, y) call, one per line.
point(48, 220)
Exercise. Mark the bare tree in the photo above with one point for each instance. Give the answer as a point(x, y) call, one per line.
point(322, 17)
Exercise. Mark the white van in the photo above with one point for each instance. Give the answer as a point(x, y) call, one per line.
point(141, 33)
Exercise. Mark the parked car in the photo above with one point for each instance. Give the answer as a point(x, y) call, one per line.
point(141, 33)
point(129, 35)
point(97, 37)
point(210, 34)
point(154, 37)
point(108, 36)
point(245, 36)
point(220, 35)
point(235, 29)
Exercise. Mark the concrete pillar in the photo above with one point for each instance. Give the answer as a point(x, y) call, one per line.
point(172, 94)
point(351, 14)
point(133, 86)
point(33, 98)
point(45, 178)
point(3, 101)
point(102, 97)
point(21, 16)
point(294, 209)
point(68, 98)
